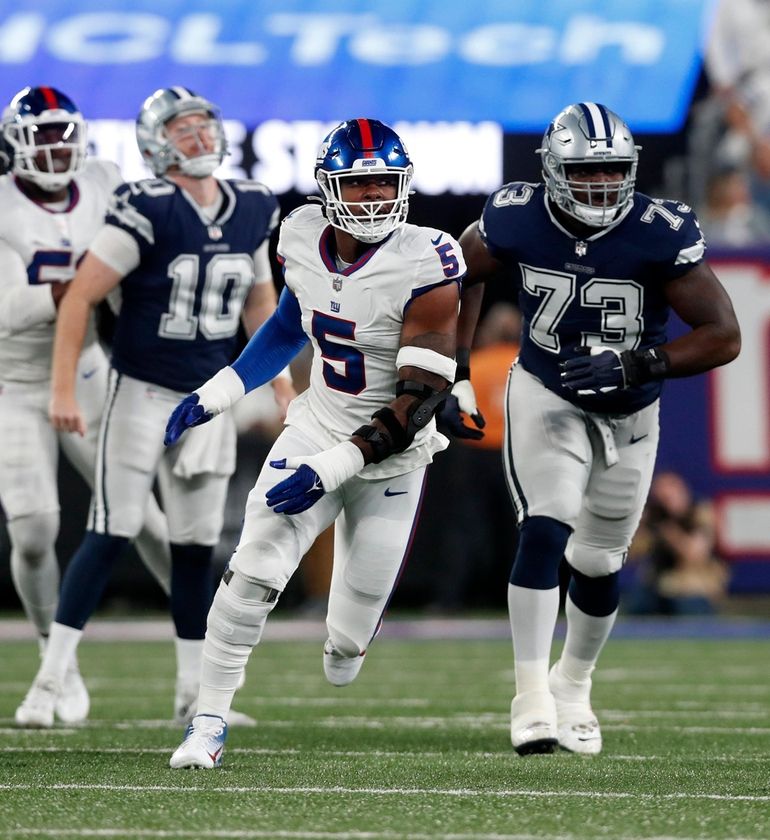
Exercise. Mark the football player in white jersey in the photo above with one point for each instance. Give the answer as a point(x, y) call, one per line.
point(51, 206)
point(188, 252)
point(598, 268)
point(377, 298)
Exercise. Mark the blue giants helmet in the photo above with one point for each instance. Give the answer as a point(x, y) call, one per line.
point(358, 147)
point(47, 134)
point(589, 135)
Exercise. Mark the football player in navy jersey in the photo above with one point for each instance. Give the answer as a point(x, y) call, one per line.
point(52, 205)
point(377, 298)
point(188, 253)
point(598, 268)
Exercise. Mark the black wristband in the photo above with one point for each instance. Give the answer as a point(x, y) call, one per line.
point(379, 441)
point(641, 366)
point(463, 359)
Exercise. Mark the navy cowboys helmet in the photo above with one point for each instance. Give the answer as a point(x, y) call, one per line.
point(590, 135)
point(159, 151)
point(47, 136)
point(358, 147)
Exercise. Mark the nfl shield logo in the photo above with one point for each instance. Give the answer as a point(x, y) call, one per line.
point(581, 249)
point(215, 232)
point(337, 283)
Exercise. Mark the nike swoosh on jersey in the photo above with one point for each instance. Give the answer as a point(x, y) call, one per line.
point(389, 492)
point(87, 374)
point(637, 439)
point(437, 239)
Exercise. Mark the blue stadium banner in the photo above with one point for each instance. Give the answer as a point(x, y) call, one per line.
point(515, 63)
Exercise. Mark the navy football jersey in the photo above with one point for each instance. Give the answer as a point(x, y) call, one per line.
point(181, 306)
point(605, 290)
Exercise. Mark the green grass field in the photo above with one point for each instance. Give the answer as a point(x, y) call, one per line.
point(417, 748)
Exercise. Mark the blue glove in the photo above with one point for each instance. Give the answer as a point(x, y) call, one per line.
point(296, 493)
point(187, 413)
point(602, 371)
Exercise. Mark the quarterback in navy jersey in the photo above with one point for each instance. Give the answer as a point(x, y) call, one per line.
point(598, 268)
point(187, 254)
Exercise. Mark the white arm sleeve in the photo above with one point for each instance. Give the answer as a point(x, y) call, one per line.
point(117, 249)
point(22, 305)
point(262, 271)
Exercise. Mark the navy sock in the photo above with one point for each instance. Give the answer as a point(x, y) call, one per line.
point(542, 541)
point(191, 589)
point(598, 596)
point(86, 577)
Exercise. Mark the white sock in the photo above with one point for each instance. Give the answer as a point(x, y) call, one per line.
point(59, 650)
point(189, 653)
point(532, 614)
point(220, 676)
point(586, 636)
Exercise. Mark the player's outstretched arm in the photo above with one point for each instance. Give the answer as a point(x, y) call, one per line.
point(92, 283)
point(425, 368)
point(269, 350)
point(462, 401)
point(258, 307)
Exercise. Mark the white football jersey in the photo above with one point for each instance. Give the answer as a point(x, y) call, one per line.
point(39, 246)
point(354, 318)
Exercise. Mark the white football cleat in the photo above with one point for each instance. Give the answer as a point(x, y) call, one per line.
point(533, 723)
point(340, 670)
point(73, 704)
point(37, 709)
point(578, 728)
point(203, 745)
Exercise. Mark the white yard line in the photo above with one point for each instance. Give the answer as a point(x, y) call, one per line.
point(503, 755)
point(490, 721)
point(350, 791)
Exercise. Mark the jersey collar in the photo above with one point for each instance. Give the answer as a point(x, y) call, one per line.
point(74, 197)
point(599, 231)
point(327, 251)
point(225, 211)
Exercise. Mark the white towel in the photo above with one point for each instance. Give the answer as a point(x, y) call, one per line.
point(607, 431)
point(209, 448)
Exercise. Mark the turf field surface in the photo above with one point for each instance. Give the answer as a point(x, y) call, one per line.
point(417, 747)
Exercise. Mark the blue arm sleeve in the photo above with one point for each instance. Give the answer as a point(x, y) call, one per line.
point(273, 345)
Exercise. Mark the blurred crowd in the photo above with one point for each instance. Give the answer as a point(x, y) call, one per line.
point(729, 156)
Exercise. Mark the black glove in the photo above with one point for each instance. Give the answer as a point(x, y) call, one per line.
point(606, 369)
point(462, 400)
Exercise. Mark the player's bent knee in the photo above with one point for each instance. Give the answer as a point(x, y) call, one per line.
point(542, 543)
point(34, 536)
point(240, 608)
point(595, 561)
point(126, 522)
point(204, 531)
point(271, 561)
